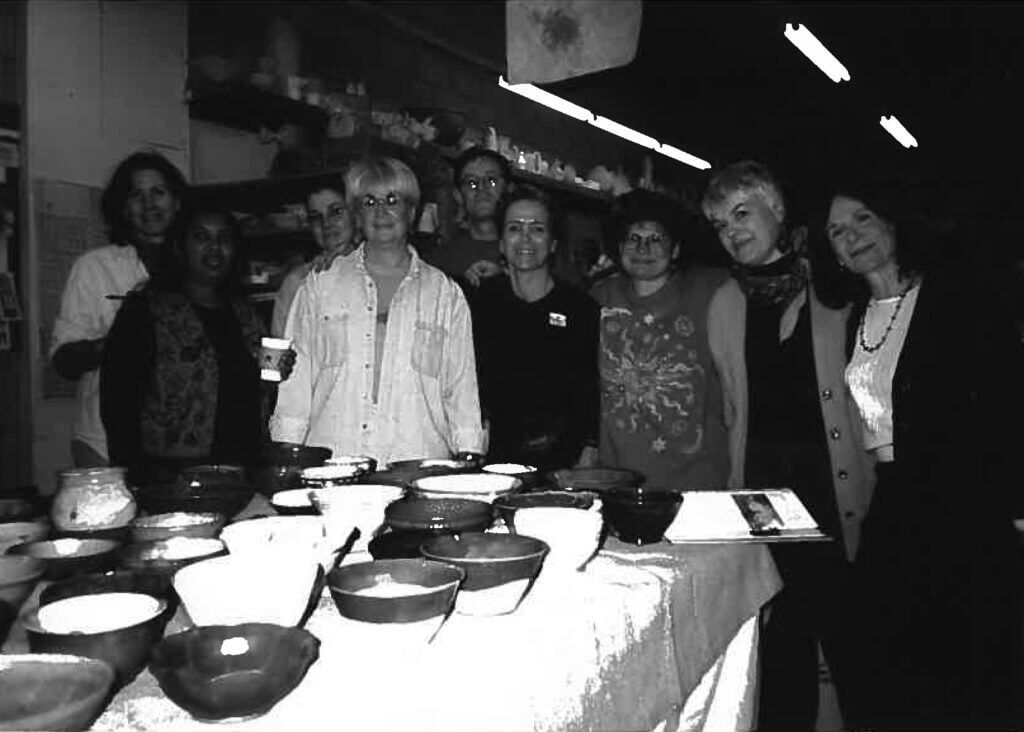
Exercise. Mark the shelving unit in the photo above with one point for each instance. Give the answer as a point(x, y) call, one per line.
point(246, 107)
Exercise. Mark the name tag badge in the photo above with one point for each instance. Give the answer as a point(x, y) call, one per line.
point(558, 320)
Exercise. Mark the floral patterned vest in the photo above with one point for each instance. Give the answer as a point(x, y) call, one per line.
point(180, 407)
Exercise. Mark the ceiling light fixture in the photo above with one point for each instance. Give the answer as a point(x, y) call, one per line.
point(575, 111)
point(815, 50)
point(626, 133)
point(897, 130)
point(683, 157)
point(552, 101)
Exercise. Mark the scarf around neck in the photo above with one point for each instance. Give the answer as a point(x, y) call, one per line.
point(776, 283)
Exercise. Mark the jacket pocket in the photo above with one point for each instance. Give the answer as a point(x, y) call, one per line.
point(428, 348)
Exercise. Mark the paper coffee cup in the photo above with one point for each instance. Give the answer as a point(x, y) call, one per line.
point(271, 352)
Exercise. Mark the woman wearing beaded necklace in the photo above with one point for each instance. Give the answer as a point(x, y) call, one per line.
point(780, 356)
point(935, 370)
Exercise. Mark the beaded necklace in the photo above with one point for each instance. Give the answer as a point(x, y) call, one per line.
point(888, 328)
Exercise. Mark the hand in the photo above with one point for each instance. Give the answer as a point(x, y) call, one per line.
point(588, 457)
point(479, 271)
point(287, 364)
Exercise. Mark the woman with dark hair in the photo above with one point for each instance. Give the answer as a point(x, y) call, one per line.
point(139, 206)
point(180, 382)
point(536, 346)
point(661, 401)
point(780, 356)
point(935, 368)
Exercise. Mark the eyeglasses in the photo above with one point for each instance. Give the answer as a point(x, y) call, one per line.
point(633, 242)
point(390, 201)
point(474, 183)
point(334, 212)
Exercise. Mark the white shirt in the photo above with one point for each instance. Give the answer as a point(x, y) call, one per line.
point(286, 296)
point(870, 375)
point(427, 406)
point(86, 313)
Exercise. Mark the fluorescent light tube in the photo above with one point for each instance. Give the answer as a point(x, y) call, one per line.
point(813, 49)
point(553, 101)
point(897, 130)
point(626, 133)
point(683, 157)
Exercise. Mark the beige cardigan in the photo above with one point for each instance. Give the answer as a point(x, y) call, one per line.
point(852, 468)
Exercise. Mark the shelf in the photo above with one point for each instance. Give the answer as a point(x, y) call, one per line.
point(561, 187)
point(245, 107)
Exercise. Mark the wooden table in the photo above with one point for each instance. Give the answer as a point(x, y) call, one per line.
point(619, 646)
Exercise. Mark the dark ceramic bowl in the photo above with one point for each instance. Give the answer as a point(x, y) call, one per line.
point(401, 543)
point(120, 580)
point(225, 498)
point(48, 692)
point(68, 557)
point(218, 672)
point(178, 523)
point(167, 556)
point(294, 502)
point(120, 534)
point(354, 589)
point(280, 466)
point(598, 480)
point(491, 562)
point(640, 516)
point(22, 532)
point(506, 506)
point(125, 648)
point(18, 577)
point(438, 514)
point(207, 475)
point(406, 471)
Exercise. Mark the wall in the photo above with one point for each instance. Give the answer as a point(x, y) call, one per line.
point(103, 79)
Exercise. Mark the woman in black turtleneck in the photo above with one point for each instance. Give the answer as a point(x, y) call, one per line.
point(780, 355)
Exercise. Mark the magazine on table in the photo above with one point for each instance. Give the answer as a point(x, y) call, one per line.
point(768, 515)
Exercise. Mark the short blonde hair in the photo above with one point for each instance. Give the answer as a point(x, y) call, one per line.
point(749, 176)
point(394, 174)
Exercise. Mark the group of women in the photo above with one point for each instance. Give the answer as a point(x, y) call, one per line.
point(880, 385)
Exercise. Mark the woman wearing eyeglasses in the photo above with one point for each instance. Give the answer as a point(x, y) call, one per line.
point(473, 254)
point(385, 363)
point(331, 223)
point(661, 404)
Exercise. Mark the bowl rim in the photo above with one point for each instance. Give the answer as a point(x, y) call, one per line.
point(539, 551)
point(106, 546)
point(37, 564)
point(426, 483)
point(229, 631)
point(527, 469)
point(31, 619)
point(136, 549)
point(444, 586)
point(144, 522)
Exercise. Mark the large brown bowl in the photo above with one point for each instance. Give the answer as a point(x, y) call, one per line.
point(640, 516)
point(126, 649)
point(49, 692)
point(224, 497)
point(176, 524)
point(506, 506)
point(437, 585)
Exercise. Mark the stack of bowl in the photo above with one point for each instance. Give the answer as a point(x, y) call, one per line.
point(499, 569)
point(572, 534)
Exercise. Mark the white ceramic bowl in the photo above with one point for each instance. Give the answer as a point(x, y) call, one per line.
point(361, 506)
point(478, 486)
point(277, 534)
point(572, 533)
point(251, 588)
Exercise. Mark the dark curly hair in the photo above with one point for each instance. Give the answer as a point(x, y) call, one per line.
point(119, 187)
